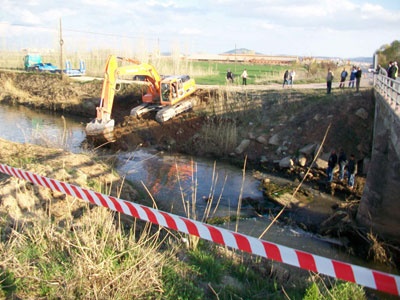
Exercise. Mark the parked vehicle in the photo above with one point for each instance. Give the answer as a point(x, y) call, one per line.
point(75, 72)
point(33, 62)
point(32, 59)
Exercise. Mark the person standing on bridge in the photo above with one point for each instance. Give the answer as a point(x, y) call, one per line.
point(395, 71)
point(244, 77)
point(329, 79)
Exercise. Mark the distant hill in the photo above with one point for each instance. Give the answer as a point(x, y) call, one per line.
point(248, 51)
point(362, 59)
point(242, 51)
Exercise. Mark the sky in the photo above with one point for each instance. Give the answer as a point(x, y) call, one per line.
point(339, 28)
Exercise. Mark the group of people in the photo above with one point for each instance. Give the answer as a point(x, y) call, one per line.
point(392, 70)
point(345, 166)
point(355, 78)
point(288, 78)
point(229, 76)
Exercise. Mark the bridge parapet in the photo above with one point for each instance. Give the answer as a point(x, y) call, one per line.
point(380, 203)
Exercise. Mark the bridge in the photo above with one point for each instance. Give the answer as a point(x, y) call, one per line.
point(379, 208)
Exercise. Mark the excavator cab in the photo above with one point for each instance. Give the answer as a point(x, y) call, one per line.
point(165, 92)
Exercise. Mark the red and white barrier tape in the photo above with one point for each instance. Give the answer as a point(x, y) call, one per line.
point(381, 281)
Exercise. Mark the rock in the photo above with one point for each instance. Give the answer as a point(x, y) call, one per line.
point(281, 150)
point(317, 117)
point(274, 140)
point(263, 159)
point(302, 160)
point(262, 140)
point(362, 113)
point(307, 150)
point(320, 163)
point(251, 136)
point(242, 147)
point(286, 163)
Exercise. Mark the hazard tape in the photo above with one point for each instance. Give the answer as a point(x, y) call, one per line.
point(378, 280)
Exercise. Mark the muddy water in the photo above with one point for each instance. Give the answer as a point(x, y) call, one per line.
point(175, 182)
point(24, 125)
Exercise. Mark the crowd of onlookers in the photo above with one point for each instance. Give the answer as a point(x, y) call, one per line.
point(355, 76)
point(391, 71)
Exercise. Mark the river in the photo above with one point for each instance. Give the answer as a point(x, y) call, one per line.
point(176, 182)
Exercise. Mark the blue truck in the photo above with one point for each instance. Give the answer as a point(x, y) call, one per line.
point(34, 62)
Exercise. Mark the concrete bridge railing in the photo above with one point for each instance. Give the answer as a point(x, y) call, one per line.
point(388, 88)
point(379, 208)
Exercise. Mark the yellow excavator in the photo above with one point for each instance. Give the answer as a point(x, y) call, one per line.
point(168, 95)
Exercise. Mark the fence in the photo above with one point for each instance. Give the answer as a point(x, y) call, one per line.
point(389, 88)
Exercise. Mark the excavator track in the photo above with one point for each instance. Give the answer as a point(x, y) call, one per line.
point(168, 112)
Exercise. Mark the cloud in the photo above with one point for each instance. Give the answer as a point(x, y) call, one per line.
point(290, 26)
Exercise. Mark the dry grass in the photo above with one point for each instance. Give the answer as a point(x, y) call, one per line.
point(377, 250)
point(94, 259)
point(9, 88)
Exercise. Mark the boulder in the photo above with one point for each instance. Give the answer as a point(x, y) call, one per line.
point(307, 150)
point(302, 160)
point(362, 113)
point(274, 140)
point(242, 146)
point(262, 140)
point(320, 163)
point(286, 163)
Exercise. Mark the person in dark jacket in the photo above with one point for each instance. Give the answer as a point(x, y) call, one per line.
point(285, 78)
point(332, 161)
point(351, 171)
point(358, 78)
point(342, 163)
point(229, 76)
point(352, 76)
point(343, 77)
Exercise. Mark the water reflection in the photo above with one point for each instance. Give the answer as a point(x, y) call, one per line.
point(24, 125)
point(178, 181)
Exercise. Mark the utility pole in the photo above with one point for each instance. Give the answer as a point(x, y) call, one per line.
point(235, 58)
point(61, 51)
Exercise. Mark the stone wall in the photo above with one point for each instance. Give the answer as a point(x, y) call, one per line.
point(379, 209)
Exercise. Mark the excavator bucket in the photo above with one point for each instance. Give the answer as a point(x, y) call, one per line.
point(100, 131)
point(102, 127)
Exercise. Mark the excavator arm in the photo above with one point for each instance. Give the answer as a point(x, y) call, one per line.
point(103, 125)
point(111, 75)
